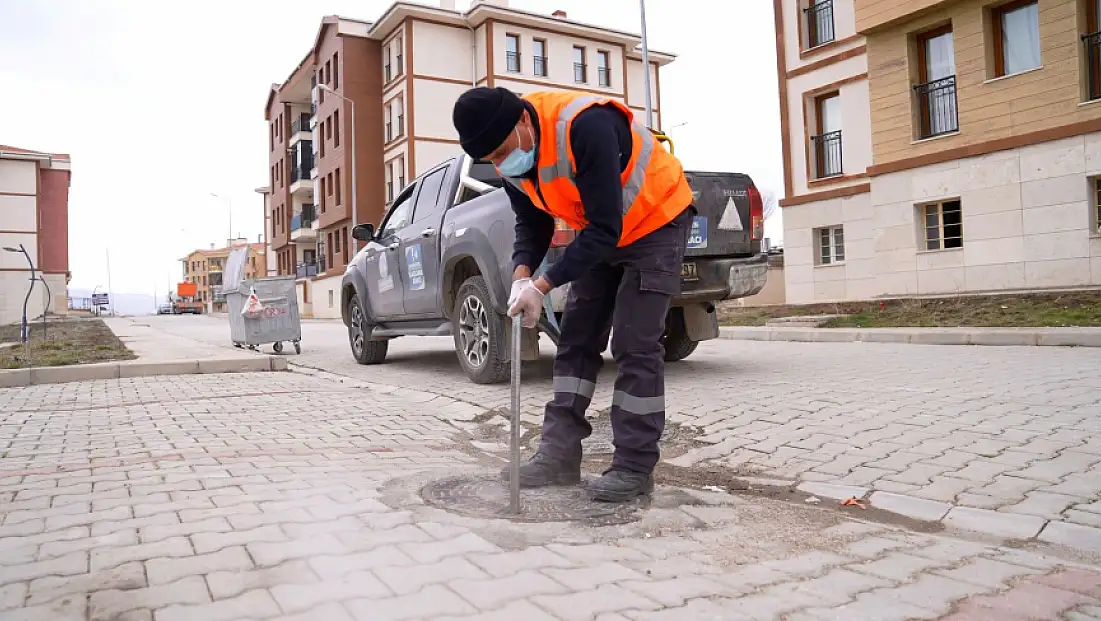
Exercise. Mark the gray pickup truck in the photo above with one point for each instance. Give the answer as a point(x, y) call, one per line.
point(440, 264)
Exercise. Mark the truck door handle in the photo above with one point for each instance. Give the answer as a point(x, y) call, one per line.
point(429, 232)
point(393, 246)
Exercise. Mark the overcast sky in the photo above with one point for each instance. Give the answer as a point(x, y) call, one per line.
point(161, 103)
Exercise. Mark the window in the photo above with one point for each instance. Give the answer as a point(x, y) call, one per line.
point(336, 71)
point(336, 128)
point(347, 247)
point(401, 172)
point(1016, 37)
point(580, 75)
point(387, 71)
point(831, 245)
point(400, 214)
point(400, 57)
point(429, 196)
point(329, 177)
point(328, 71)
point(321, 134)
point(943, 224)
point(603, 72)
point(337, 184)
point(399, 104)
point(330, 298)
point(539, 57)
point(390, 122)
point(322, 202)
point(936, 94)
point(512, 52)
point(389, 182)
point(827, 140)
point(329, 249)
point(329, 128)
point(1096, 224)
point(819, 20)
point(1091, 42)
point(336, 243)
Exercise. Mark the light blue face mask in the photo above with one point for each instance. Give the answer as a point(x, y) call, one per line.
point(519, 161)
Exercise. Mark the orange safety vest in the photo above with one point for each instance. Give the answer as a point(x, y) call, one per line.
point(655, 190)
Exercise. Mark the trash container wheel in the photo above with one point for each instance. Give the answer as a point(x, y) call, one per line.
point(236, 344)
point(297, 347)
point(278, 347)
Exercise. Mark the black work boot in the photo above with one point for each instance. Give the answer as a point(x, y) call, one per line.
point(621, 485)
point(542, 470)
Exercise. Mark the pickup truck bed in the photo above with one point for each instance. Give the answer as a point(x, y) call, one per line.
point(440, 265)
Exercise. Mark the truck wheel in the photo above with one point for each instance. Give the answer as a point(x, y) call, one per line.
point(479, 334)
point(677, 344)
point(364, 350)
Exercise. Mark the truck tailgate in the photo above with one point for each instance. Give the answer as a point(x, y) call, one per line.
point(722, 225)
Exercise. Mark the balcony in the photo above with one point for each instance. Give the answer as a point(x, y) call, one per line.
point(302, 224)
point(827, 154)
point(604, 76)
point(580, 73)
point(819, 16)
point(937, 113)
point(541, 66)
point(512, 61)
point(1092, 44)
point(305, 270)
point(301, 164)
point(300, 129)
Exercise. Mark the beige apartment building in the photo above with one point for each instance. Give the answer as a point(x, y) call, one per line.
point(34, 214)
point(206, 268)
point(403, 73)
point(939, 146)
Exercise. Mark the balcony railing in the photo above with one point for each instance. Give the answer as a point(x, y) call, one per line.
point(580, 73)
point(301, 124)
point(604, 76)
point(401, 126)
point(389, 131)
point(305, 270)
point(302, 173)
point(541, 66)
point(304, 219)
point(513, 61)
point(1092, 42)
point(400, 63)
point(386, 72)
point(827, 154)
point(819, 17)
point(937, 107)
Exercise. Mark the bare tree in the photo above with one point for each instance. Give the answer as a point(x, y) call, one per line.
point(770, 202)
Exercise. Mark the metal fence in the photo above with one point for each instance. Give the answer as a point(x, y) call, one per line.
point(819, 22)
point(937, 106)
point(827, 154)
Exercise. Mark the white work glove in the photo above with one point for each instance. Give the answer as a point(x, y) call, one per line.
point(526, 298)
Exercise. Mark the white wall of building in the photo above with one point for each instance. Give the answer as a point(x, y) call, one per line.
point(438, 51)
point(795, 30)
point(1028, 223)
point(433, 101)
point(18, 213)
point(636, 90)
point(325, 297)
point(560, 58)
point(430, 154)
point(18, 177)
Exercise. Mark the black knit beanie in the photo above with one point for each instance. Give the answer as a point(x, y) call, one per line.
point(484, 117)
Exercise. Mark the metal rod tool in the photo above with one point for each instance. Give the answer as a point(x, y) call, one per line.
point(514, 479)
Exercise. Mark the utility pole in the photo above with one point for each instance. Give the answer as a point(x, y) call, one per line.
point(646, 66)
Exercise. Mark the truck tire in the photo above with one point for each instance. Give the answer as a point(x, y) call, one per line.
point(677, 344)
point(364, 350)
point(479, 334)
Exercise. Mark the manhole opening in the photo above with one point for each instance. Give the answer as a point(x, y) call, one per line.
point(486, 496)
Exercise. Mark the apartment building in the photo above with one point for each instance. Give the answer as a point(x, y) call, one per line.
point(403, 73)
point(34, 213)
point(271, 268)
point(984, 125)
point(206, 267)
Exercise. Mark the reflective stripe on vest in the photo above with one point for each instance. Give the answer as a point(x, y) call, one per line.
point(562, 169)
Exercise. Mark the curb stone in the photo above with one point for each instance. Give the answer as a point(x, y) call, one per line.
point(1000, 337)
point(17, 378)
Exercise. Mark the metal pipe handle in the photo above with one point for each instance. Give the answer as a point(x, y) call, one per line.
point(514, 470)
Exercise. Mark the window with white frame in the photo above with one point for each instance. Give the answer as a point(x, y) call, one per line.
point(831, 245)
point(942, 223)
point(1095, 224)
point(512, 52)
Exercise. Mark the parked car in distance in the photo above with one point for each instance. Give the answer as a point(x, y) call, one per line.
point(439, 264)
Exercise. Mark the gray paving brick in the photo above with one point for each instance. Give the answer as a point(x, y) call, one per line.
point(596, 553)
point(1085, 538)
point(1054, 469)
point(110, 604)
point(333, 566)
point(324, 612)
point(12, 595)
point(160, 532)
point(434, 551)
point(1042, 504)
point(406, 580)
point(362, 540)
point(910, 506)
point(65, 609)
point(675, 592)
point(123, 577)
point(346, 524)
point(434, 601)
point(897, 566)
point(871, 547)
point(251, 605)
point(933, 593)
point(108, 527)
point(61, 522)
point(9, 544)
point(53, 549)
point(199, 515)
point(74, 508)
point(986, 572)
point(165, 570)
point(876, 606)
point(774, 601)
point(23, 529)
point(210, 542)
point(591, 576)
point(509, 563)
point(224, 584)
point(267, 554)
point(511, 612)
point(249, 521)
point(492, 594)
point(105, 558)
point(584, 605)
point(68, 565)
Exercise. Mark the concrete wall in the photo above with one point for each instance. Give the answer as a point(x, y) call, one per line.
point(325, 297)
point(1029, 223)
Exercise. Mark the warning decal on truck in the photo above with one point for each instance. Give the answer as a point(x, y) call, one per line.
point(697, 237)
point(415, 266)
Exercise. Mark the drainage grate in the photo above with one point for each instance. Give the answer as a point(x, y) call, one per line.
point(486, 496)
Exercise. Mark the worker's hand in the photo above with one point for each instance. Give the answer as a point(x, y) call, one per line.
point(528, 299)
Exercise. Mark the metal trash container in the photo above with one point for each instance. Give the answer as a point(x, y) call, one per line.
point(277, 321)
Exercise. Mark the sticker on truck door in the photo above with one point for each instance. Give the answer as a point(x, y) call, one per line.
point(385, 281)
point(415, 267)
point(697, 237)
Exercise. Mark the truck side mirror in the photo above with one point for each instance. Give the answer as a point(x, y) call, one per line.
point(363, 232)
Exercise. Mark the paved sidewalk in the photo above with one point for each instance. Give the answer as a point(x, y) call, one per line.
point(1049, 337)
point(284, 496)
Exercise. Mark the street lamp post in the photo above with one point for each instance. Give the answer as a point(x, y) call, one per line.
point(24, 332)
point(355, 171)
point(646, 65)
point(229, 240)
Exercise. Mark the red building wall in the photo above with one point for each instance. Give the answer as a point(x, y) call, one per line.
point(53, 220)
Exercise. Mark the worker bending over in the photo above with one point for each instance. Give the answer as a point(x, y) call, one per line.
point(584, 159)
